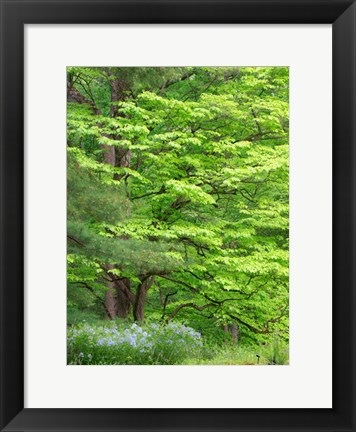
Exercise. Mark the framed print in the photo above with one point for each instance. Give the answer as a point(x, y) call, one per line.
point(177, 215)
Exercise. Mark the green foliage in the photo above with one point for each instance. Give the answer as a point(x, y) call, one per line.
point(76, 316)
point(276, 352)
point(112, 343)
point(197, 198)
point(243, 355)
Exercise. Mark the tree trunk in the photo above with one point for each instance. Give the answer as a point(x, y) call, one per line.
point(108, 154)
point(234, 333)
point(140, 299)
point(139, 307)
point(112, 157)
point(110, 303)
point(117, 297)
point(226, 331)
point(110, 299)
point(124, 298)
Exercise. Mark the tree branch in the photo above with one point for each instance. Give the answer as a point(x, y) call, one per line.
point(75, 240)
point(161, 191)
point(191, 305)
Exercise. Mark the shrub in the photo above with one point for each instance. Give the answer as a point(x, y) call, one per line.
point(76, 316)
point(109, 344)
point(277, 352)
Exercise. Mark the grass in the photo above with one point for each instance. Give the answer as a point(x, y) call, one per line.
point(240, 355)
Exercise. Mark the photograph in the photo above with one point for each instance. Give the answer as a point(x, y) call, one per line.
point(178, 215)
point(178, 196)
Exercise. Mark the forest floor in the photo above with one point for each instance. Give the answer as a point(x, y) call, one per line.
point(105, 343)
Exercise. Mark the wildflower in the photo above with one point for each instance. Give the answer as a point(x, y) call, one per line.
point(81, 354)
point(89, 356)
point(133, 343)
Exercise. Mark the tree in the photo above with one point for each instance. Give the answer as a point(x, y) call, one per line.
point(198, 169)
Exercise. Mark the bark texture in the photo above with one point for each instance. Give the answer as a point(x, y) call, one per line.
point(234, 333)
point(140, 299)
point(124, 298)
point(110, 298)
point(115, 157)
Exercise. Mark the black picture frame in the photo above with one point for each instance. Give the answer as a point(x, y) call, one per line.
point(14, 15)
